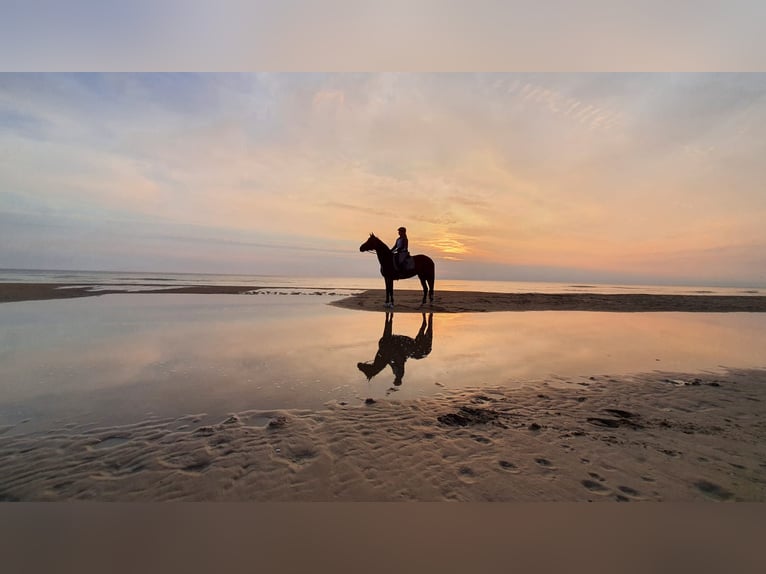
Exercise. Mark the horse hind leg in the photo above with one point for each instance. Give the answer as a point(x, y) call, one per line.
point(431, 281)
point(425, 290)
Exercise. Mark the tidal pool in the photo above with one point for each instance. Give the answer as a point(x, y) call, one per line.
point(118, 359)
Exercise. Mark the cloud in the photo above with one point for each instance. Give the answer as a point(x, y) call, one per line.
point(536, 170)
point(591, 115)
point(328, 99)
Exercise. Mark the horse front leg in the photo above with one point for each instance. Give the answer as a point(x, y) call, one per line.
point(389, 292)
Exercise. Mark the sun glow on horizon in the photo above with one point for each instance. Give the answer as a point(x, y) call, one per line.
point(448, 247)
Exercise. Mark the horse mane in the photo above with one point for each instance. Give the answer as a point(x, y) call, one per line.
point(379, 241)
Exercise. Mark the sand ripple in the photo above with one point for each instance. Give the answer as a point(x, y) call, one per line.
point(650, 437)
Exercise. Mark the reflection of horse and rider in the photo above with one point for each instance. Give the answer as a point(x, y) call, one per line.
point(394, 350)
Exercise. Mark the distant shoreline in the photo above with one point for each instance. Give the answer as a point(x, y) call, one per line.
point(445, 302)
point(11, 292)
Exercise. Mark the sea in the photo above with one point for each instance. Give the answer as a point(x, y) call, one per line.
point(137, 281)
point(126, 358)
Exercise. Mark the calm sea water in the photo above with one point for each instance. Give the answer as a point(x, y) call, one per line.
point(125, 358)
point(135, 281)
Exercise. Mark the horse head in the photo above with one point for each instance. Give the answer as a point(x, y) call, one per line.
point(369, 245)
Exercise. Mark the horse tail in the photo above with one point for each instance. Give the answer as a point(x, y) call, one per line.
point(433, 278)
point(430, 275)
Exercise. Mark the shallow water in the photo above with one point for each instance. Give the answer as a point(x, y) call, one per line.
point(101, 280)
point(118, 359)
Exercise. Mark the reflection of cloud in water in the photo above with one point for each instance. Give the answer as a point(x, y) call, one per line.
point(127, 355)
point(119, 287)
point(126, 288)
point(503, 346)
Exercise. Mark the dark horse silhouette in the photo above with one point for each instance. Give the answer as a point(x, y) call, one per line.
point(394, 350)
point(424, 269)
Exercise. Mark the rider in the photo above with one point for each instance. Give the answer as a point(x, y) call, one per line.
point(400, 248)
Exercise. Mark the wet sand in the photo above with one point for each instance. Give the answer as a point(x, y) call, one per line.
point(654, 437)
point(40, 291)
point(479, 302)
point(445, 301)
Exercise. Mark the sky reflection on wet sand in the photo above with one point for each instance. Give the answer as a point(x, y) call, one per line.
point(118, 359)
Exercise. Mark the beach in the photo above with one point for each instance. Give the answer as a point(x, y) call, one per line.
point(10, 292)
point(478, 302)
point(659, 435)
point(409, 300)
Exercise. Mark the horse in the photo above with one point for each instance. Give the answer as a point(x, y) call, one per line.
point(423, 268)
point(394, 350)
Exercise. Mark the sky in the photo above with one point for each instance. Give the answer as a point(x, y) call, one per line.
point(607, 177)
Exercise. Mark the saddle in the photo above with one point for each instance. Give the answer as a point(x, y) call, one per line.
point(407, 265)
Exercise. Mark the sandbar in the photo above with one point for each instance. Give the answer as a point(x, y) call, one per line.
point(10, 292)
point(481, 302)
point(409, 301)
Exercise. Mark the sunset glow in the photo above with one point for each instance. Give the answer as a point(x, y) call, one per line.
point(610, 177)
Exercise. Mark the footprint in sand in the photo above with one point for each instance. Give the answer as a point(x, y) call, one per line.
point(670, 452)
point(629, 491)
point(301, 455)
point(545, 463)
point(196, 468)
point(509, 466)
point(481, 439)
point(595, 487)
point(713, 490)
point(466, 474)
